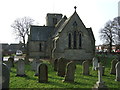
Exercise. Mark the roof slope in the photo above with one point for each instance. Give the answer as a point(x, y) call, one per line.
point(65, 23)
point(40, 33)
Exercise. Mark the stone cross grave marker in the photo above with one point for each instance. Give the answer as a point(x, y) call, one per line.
point(5, 76)
point(38, 62)
point(62, 67)
point(95, 63)
point(21, 68)
point(69, 77)
point(117, 71)
point(55, 64)
point(113, 64)
point(85, 68)
point(43, 73)
point(100, 83)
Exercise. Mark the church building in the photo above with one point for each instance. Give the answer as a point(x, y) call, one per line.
point(62, 37)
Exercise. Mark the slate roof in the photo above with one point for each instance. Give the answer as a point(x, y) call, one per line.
point(91, 33)
point(40, 33)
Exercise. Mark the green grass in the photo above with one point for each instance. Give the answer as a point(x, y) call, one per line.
point(81, 81)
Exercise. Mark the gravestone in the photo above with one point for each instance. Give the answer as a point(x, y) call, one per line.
point(9, 63)
point(55, 64)
point(69, 77)
point(34, 65)
point(103, 70)
point(113, 64)
point(21, 68)
point(43, 73)
point(100, 84)
point(117, 71)
point(5, 76)
point(95, 63)
point(62, 67)
point(85, 67)
point(11, 58)
point(38, 62)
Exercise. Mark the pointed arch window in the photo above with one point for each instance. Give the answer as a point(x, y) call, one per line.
point(69, 41)
point(80, 40)
point(75, 40)
point(40, 47)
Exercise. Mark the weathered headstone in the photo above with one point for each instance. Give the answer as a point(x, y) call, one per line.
point(103, 70)
point(21, 68)
point(34, 65)
point(43, 73)
point(99, 84)
point(117, 71)
point(62, 67)
point(113, 64)
point(5, 76)
point(10, 63)
point(11, 58)
point(69, 77)
point(86, 68)
point(55, 64)
point(95, 63)
point(38, 62)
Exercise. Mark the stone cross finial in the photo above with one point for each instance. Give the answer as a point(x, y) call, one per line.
point(75, 8)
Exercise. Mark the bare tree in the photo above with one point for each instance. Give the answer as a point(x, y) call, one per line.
point(21, 28)
point(108, 34)
point(116, 23)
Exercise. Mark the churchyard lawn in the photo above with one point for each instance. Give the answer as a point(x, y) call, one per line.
point(54, 81)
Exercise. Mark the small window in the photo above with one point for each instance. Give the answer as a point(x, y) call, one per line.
point(80, 40)
point(75, 40)
point(40, 47)
point(75, 24)
point(69, 40)
point(54, 21)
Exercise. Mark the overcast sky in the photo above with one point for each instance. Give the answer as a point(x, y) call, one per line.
point(94, 13)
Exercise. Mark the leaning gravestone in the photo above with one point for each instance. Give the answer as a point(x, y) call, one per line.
point(117, 71)
point(95, 63)
point(55, 64)
point(100, 84)
point(113, 64)
point(69, 77)
point(86, 68)
point(5, 76)
point(43, 73)
point(62, 66)
point(38, 62)
point(21, 68)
